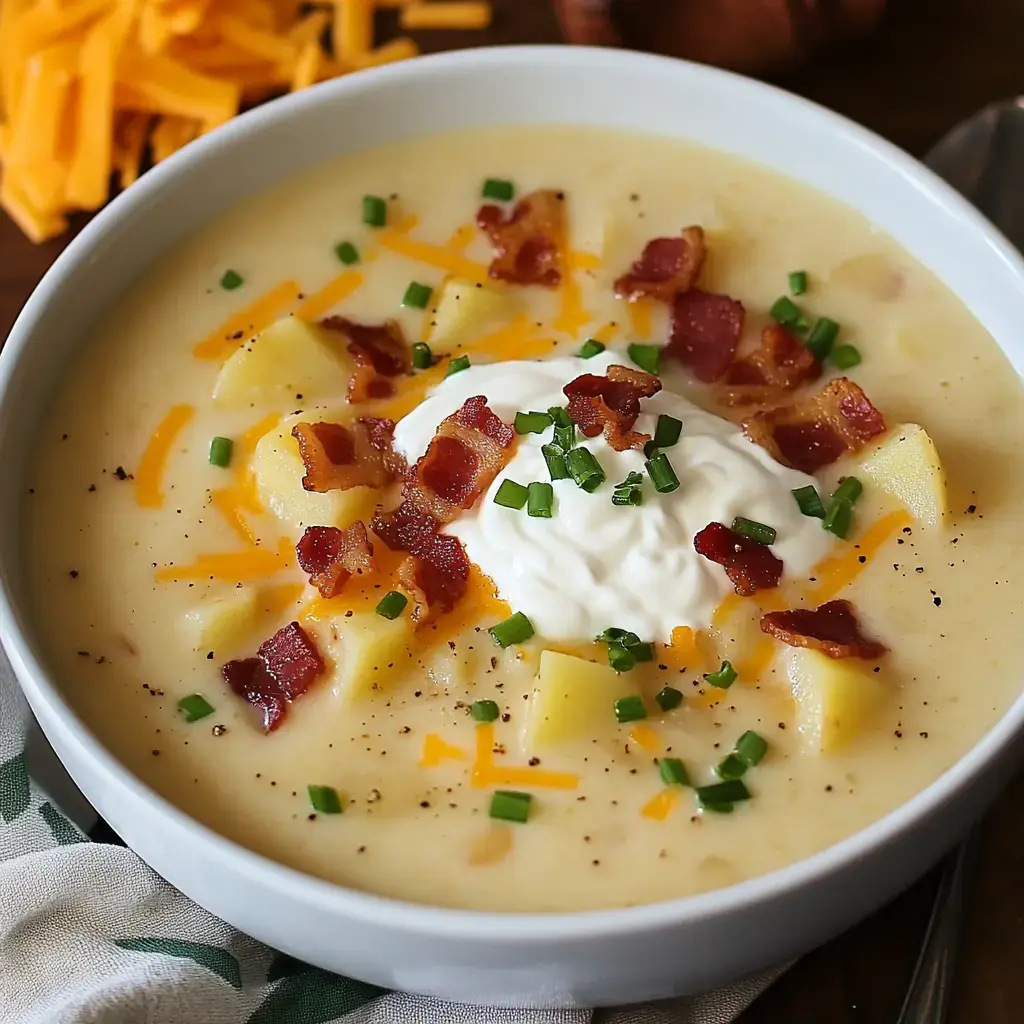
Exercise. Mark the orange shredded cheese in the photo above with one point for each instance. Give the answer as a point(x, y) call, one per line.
point(245, 478)
point(485, 773)
point(645, 738)
point(439, 256)
point(584, 261)
point(220, 343)
point(436, 750)
point(227, 501)
point(660, 806)
point(231, 566)
point(467, 14)
point(606, 333)
point(276, 599)
point(461, 238)
point(319, 303)
point(149, 475)
point(571, 314)
point(641, 317)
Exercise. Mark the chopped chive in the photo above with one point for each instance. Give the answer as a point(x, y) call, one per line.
point(231, 280)
point(669, 698)
point(560, 416)
point(194, 707)
point(584, 469)
point(565, 437)
point(673, 772)
point(498, 188)
point(614, 635)
point(484, 711)
point(324, 799)
point(541, 496)
point(632, 480)
point(347, 253)
point(751, 747)
point(629, 496)
point(717, 806)
point(822, 337)
point(375, 211)
point(630, 709)
point(724, 677)
point(809, 501)
point(457, 365)
point(532, 422)
point(667, 432)
point(845, 357)
point(590, 348)
point(417, 295)
point(516, 629)
point(650, 449)
point(849, 489)
point(220, 451)
point(392, 604)
point(731, 767)
point(508, 805)
point(511, 495)
point(555, 462)
point(754, 530)
point(422, 357)
point(642, 651)
point(797, 282)
point(621, 658)
point(728, 792)
point(662, 475)
point(647, 357)
point(838, 518)
point(786, 312)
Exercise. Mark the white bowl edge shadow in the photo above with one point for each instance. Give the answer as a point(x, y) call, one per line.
point(512, 85)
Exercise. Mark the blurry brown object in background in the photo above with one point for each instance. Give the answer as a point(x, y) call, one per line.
point(744, 35)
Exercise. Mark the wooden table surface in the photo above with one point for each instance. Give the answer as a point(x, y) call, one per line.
point(932, 63)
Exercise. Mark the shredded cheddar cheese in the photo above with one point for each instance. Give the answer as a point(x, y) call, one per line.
point(276, 599)
point(439, 256)
point(231, 566)
point(149, 475)
point(227, 502)
point(436, 750)
point(641, 317)
point(245, 478)
point(441, 14)
point(485, 773)
point(240, 326)
point(645, 738)
point(316, 305)
point(606, 333)
point(660, 806)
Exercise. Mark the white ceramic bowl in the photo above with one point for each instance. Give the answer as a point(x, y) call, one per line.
point(596, 958)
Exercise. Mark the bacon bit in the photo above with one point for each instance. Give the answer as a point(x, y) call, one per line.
point(782, 363)
point(435, 575)
point(283, 669)
point(379, 352)
point(750, 566)
point(832, 629)
point(611, 403)
point(337, 458)
point(819, 429)
point(666, 267)
point(706, 331)
point(330, 556)
point(526, 245)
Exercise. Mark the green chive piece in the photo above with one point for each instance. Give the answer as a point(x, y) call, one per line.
point(724, 677)
point(584, 469)
point(508, 805)
point(511, 495)
point(650, 449)
point(621, 659)
point(555, 462)
point(541, 497)
point(375, 211)
point(838, 518)
point(647, 357)
point(731, 767)
point(629, 496)
point(718, 808)
point(630, 709)
point(498, 188)
point(809, 501)
point(565, 437)
point(845, 357)
point(422, 357)
point(614, 635)
point(532, 422)
point(590, 348)
point(484, 711)
point(632, 480)
point(797, 282)
point(673, 772)
point(642, 651)
point(194, 707)
point(560, 416)
point(786, 312)
point(347, 253)
point(728, 792)
point(849, 489)
point(751, 747)
point(754, 530)
point(667, 432)
point(662, 475)
point(669, 698)
point(417, 295)
point(392, 604)
point(231, 280)
point(324, 799)
point(516, 629)
point(220, 451)
point(457, 365)
point(822, 338)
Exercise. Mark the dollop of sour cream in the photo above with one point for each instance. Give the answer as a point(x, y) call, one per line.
point(593, 564)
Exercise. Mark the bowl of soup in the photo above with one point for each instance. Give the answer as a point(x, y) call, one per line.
point(530, 526)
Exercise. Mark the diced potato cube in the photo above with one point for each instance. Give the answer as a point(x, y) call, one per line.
point(219, 622)
point(573, 699)
point(836, 698)
point(465, 312)
point(368, 652)
point(906, 465)
point(278, 469)
point(290, 357)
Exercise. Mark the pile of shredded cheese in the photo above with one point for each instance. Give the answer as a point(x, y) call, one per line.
point(90, 88)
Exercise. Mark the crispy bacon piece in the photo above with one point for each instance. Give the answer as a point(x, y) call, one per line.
point(379, 352)
point(283, 669)
point(666, 267)
point(331, 556)
point(832, 629)
point(750, 566)
point(527, 244)
point(781, 363)
point(706, 331)
point(337, 457)
point(436, 575)
point(818, 429)
point(611, 404)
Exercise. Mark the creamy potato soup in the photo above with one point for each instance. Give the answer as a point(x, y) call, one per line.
point(535, 520)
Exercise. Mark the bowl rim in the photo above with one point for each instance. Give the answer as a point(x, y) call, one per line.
point(445, 922)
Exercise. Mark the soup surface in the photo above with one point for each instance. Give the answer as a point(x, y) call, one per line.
point(159, 573)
